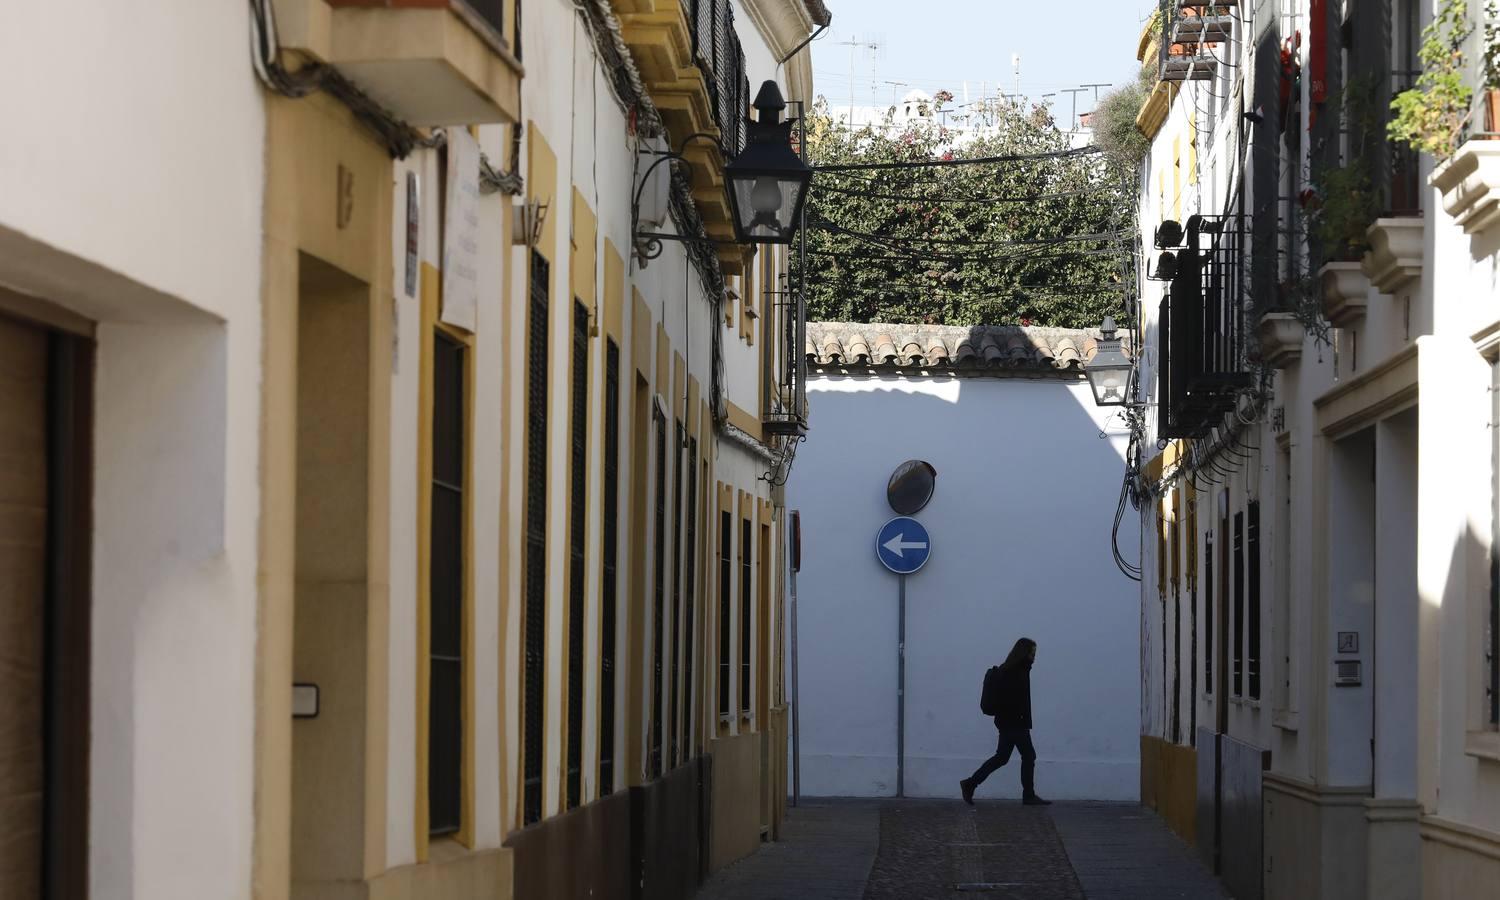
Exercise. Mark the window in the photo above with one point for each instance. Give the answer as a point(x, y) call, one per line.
point(534, 610)
point(577, 538)
point(674, 715)
point(611, 550)
point(1252, 548)
point(446, 580)
point(1208, 613)
point(746, 602)
point(726, 587)
point(1237, 624)
point(1192, 530)
point(658, 605)
point(1281, 643)
point(690, 579)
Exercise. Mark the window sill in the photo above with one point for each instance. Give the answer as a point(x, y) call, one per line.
point(1483, 745)
point(1247, 702)
point(1287, 720)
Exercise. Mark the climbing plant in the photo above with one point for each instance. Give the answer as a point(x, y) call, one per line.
point(1431, 116)
point(1038, 240)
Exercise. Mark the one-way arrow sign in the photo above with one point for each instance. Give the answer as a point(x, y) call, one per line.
point(903, 545)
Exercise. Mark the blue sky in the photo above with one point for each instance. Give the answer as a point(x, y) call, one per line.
point(936, 44)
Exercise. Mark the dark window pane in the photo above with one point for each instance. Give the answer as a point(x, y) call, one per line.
point(445, 761)
point(726, 586)
point(446, 590)
point(1252, 540)
point(608, 595)
point(577, 531)
point(535, 609)
point(1237, 652)
point(659, 545)
point(747, 605)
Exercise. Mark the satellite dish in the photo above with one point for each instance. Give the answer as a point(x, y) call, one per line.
point(911, 486)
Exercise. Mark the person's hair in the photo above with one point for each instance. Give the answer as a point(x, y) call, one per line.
point(1020, 653)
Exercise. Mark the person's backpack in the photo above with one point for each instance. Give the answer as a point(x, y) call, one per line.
point(989, 698)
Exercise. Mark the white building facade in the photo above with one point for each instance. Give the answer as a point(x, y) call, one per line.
point(1317, 493)
point(1020, 524)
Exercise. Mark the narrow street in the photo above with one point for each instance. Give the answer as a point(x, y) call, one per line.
point(919, 849)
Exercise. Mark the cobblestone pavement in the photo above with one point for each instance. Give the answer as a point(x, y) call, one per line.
point(920, 849)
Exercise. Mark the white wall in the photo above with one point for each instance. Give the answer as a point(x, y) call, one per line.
point(133, 181)
point(1020, 525)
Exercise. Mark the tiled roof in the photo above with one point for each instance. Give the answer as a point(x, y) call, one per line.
point(982, 349)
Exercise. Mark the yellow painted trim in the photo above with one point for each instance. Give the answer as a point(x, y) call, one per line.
point(306, 141)
point(747, 304)
point(744, 421)
point(1153, 114)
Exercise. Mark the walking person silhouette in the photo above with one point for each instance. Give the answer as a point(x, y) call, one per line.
point(1007, 696)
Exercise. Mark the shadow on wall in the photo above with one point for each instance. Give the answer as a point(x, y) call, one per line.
point(1021, 524)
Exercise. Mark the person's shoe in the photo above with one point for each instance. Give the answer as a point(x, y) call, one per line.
point(1034, 800)
point(967, 787)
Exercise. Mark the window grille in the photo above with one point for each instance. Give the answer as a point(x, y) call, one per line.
point(747, 602)
point(1252, 546)
point(608, 596)
point(674, 700)
point(1208, 613)
point(690, 591)
point(1176, 668)
point(659, 545)
point(577, 538)
point(1492, 644)
point(446, 581)
point(726, 587)
point(535, 611)
point(1237, 652)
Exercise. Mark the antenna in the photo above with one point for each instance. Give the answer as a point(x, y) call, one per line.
point(1015, 62)
point(1073, 122)
point(854, 43)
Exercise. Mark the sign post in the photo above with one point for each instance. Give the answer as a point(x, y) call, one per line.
point(903, 546)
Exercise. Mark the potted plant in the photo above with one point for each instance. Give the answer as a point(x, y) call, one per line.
point(1432, 116)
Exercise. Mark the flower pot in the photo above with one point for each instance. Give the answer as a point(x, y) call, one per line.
point(1492, 114)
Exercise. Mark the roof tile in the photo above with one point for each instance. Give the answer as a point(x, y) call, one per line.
point(982, 349)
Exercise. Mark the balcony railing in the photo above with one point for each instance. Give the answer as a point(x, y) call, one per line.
point(1204, 325)
point(717, 49)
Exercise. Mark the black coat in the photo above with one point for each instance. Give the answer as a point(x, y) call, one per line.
point(1015, 697)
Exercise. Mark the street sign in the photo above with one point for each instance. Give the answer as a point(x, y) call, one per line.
point(903, 545)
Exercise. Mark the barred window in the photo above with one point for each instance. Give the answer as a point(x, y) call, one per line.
point(534, 612)
point(1209, 599)
point(747, 603)
point(607, 595)
point(674, 699)
point(577, 538)
point(659, 546)
point(690, 590)
point(1237, 624)
point(1252, 575)
point(446, 595)
point(726, 587)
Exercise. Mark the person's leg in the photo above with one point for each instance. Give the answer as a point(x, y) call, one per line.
point(1003, 750)
point(1028, 769)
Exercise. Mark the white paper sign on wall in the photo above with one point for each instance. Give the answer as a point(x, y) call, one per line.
point(461, 232)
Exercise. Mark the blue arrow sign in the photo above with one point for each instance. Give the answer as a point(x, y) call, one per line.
point(903, 545)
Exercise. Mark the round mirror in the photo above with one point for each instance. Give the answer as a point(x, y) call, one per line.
point(911, 486)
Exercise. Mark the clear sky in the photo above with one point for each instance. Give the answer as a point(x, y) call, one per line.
point(938, 44)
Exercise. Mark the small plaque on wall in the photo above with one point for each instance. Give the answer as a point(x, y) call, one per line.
point(1348, 642)
point(304, 701)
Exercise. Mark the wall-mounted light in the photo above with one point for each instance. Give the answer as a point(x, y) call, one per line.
point(1168, 235)
point(1110, 371)
point(1166, 267)
point(768, 180)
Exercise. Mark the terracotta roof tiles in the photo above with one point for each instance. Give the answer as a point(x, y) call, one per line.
point(930, 349)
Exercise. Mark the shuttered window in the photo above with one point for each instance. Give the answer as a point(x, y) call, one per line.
point(535, 611)
point(659, 548)
point(1252, 575)
point(1492, 643)
point(446, 584)
point(674, 701)
point(726, 588)
point(1237, 624)
point(747, 602)
point(607, 593)
point(690, 582)
point(577, 531)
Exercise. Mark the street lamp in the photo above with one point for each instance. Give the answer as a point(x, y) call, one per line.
point(1110, 371)
point(767, 180)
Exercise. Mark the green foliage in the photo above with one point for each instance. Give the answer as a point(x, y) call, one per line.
point(965, 244)
point(1114, 121)
point(1345, 200)
point(1431, 116)
point(1491, 59)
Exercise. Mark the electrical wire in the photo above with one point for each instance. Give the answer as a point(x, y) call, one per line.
point(941, 163)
